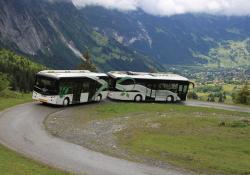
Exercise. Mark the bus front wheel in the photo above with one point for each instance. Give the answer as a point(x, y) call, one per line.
point(138, 98)
point(170, 99)
point(66, 102)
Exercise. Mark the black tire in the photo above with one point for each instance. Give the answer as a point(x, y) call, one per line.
point(170, 99)
point(66, 102)
point(138, 98)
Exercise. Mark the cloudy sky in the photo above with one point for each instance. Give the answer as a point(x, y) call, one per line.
point(172, 7)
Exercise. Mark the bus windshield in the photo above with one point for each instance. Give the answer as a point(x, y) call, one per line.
point(46, 86)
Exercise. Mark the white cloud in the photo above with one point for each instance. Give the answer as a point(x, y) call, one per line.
point(172, 7)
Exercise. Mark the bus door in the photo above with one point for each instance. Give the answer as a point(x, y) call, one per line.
point(77, 88)
point(92, 89)
point(150, 92)
point(182, 91)
point(161, 92)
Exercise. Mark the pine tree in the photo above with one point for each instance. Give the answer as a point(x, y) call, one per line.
point(4, 83)
point(87, 64)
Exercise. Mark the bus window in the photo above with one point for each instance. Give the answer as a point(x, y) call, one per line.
point(46, 86)
point(161, 86)
point(180, 88)
point(168, 86)
point(173, 87)
point(127, 82)
point(185, 88)
point(64, 83)
point(111, 83)
point(85, 86)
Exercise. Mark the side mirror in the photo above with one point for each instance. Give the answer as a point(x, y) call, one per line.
point(192, 83)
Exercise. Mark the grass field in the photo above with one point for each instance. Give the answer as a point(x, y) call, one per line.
point(207, 141)
point(12, 163)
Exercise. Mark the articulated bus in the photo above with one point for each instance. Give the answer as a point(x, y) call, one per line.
point(62, 87)
point(141, 86)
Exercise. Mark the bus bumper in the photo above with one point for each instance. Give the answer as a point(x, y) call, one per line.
point(44, 98)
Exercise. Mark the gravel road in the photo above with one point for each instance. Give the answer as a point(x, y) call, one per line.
point(22, 129)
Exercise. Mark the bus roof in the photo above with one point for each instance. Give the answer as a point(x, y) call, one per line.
point(70, 73)
point(145, 75)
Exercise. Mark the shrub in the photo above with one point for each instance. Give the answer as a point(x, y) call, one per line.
point(192, 95)
point(4, 82)
point(242, 96)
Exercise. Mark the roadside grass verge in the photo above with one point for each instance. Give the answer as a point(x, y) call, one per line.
point(12, 163)
point(13, 99)
point(205, 140)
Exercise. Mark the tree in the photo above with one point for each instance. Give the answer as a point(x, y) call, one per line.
point(222, 97)
point(87, 64)
point(243, 95)
point(4, 82)
point(211, 98)
point(19, 70)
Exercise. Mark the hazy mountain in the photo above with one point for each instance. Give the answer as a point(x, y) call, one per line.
point(56, 33)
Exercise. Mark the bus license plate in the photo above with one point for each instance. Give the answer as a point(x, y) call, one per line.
point(42, 100)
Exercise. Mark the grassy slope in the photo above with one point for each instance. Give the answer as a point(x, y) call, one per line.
point(12, 163)
point(9, 102)
point(228, 54)
point(188, 137)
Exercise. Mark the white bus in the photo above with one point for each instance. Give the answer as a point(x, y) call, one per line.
point(141, 86)
point(65, 87)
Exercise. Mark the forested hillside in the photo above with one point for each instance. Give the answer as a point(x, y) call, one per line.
point(17, 71)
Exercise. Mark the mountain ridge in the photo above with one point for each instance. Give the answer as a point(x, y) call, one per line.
point(56, 33)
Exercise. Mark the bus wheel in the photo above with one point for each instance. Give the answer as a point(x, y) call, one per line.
point(99, 98)
point(66, 102)
point(138, 98)
point(170, 98)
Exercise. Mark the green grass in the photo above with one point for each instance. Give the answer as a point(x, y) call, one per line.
point(13, 101)
point(208, 141)
point(12, 163)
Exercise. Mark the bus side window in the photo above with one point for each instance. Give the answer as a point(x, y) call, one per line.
point(85, 86)
point(173, 87)
point(162, 86)
point(127, 82)
point(66, 83)
point(185, 88)
point(180, 88)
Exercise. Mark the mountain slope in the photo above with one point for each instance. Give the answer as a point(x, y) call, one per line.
point(171, 40)
point(55, 34)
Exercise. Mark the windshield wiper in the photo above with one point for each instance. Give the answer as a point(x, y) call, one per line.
point(38, 87)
